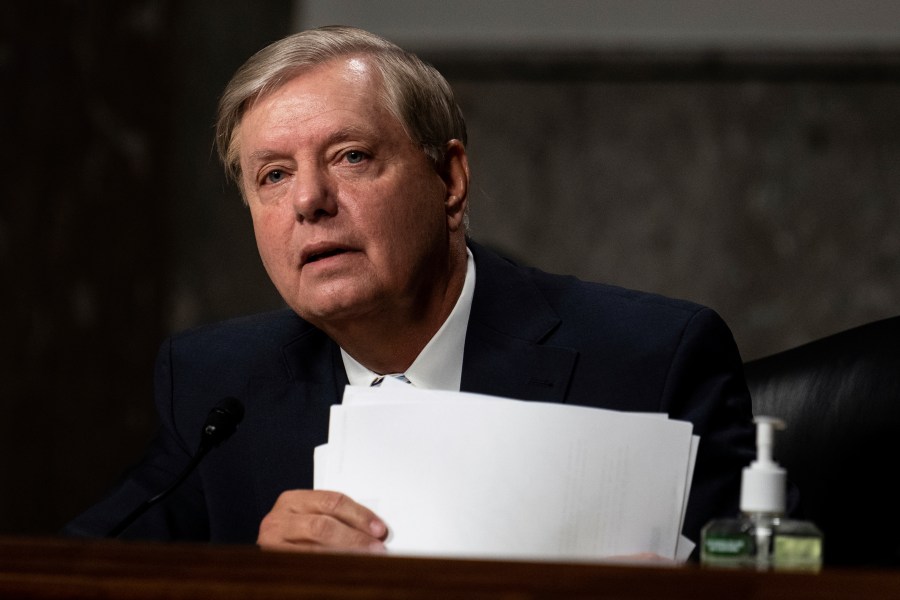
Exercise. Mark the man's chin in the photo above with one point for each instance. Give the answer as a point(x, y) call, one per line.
point(332, 312)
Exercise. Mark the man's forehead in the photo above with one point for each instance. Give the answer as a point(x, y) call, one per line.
point(336, 83)
point(353, 70)
point(300, 104)
point(359, 66)
point(311, 87)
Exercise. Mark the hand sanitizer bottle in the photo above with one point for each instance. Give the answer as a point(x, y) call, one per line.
point(762, 538)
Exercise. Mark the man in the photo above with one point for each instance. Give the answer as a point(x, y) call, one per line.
point(350, 154)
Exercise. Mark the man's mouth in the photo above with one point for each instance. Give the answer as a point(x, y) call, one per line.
point(325, 253)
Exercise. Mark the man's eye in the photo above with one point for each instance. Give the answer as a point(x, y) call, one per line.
point(274, 176)
point(355, 156)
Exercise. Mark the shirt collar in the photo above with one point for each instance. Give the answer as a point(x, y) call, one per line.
point(439, 365)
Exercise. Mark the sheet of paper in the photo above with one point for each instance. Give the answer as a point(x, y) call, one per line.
point(467, 475)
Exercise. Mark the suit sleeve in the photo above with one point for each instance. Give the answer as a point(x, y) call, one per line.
point(706, 386)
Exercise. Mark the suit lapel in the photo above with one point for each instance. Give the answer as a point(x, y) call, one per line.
point(504, 351)
point(298, 400)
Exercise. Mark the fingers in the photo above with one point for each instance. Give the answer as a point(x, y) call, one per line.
point(320, 520)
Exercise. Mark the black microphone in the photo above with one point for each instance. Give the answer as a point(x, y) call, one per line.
point(221, 422)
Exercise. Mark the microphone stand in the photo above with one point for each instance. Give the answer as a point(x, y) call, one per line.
point(221, 422)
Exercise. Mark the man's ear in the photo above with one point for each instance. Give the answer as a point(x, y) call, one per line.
point(455, 173)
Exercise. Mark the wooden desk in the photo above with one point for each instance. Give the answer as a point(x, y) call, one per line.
point(57, 568)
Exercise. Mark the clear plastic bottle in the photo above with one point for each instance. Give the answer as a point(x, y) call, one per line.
point(762, 538)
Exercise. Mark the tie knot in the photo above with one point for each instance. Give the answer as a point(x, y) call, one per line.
point(398, 376)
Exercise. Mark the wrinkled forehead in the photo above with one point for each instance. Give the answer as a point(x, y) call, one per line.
point(359, 70)
point(355, 69)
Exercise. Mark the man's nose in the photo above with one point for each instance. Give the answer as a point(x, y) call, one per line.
point(314, 195)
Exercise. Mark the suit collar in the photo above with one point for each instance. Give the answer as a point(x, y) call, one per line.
point(507, 299)
point(313, 358)
point(505, 353)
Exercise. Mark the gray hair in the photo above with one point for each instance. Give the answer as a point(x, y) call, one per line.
point(412, 90)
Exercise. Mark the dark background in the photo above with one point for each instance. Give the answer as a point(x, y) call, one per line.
point(114, 218)
point(764, 184)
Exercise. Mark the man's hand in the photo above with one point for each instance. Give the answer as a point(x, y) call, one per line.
point(310, 520)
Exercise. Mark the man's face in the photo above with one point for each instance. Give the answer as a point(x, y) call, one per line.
point(349, 214)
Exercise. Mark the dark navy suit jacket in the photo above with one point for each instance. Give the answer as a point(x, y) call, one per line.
point(531, 336)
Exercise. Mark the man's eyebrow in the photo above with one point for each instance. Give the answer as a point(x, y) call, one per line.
point(344, 133)
point(263, 156)
point(350, 132)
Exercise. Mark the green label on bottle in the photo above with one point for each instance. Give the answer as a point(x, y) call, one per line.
point(726, 545)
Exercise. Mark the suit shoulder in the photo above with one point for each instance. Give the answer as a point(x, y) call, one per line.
point(247, 334)
point(508, 294)
point(566, 292)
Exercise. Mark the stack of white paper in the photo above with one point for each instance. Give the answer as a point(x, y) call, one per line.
point(470, 475)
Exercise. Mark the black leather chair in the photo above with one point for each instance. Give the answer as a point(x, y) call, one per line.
point(840, 398)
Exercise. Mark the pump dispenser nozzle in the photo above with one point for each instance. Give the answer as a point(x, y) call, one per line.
point(764, 482)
